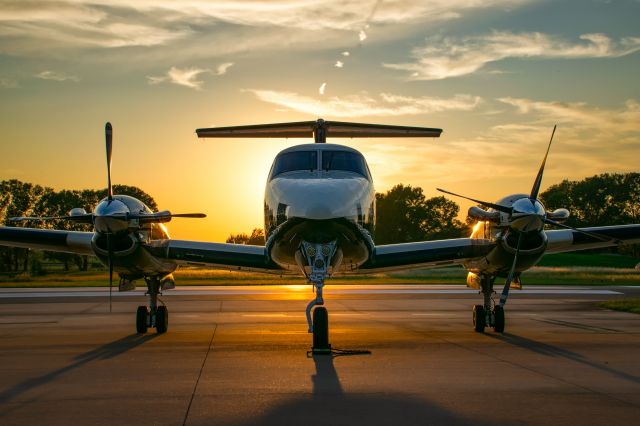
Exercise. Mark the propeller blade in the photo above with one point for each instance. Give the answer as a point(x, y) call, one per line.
point(590, 234)
point(507, 284)
point(536, 184)
point(108, 133)
point(164, 216)
point(110, 261)
point(497, 207)
point(85, 218)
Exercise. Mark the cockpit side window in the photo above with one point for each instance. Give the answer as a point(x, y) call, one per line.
point(344, 160)
point(297, 160)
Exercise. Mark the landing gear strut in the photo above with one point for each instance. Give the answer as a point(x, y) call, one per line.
point(318, 258)
point(488, 314)
point(154, 316)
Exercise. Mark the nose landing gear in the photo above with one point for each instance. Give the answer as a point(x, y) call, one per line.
point(488, 314)
point(318, 258)
point(154, 316)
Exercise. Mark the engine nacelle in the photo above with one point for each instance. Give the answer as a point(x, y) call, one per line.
point(77, 211)
point(559, 215)
point(483, 215)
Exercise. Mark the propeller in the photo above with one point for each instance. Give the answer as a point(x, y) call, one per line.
point(536, 184)
point(507, 284)
point(108, 133)
point(110, 262)
point(497, 207)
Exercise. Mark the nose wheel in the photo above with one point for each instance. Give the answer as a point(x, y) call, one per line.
point(153, 316)
point(489, 314)
point(321, 331)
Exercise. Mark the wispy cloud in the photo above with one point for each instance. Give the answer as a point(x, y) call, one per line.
point(8, 83)
point(56, 76)
point(444, 57)
point(580, 115)
point(187, 77)
point(339, 64)
point(322, 88)
point(67, 24)
point(222, 68)
point(365, 105)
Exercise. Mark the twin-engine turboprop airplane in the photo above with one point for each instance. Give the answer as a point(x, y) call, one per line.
point(319, 213)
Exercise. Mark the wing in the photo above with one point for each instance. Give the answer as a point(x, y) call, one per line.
point(47, 239)
point(563, 240)
point(238, 257)
point(426, 254)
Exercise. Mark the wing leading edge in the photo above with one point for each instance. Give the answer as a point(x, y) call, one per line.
point(564, 240)
point(47, 239)
point(426, 254)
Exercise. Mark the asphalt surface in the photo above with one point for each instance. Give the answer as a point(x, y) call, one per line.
point(238, 356)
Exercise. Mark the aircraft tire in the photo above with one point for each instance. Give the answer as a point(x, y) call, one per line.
point(141, 319)
point(162, 319)
point(498, 313)
point(320, 328)
point(479, 318)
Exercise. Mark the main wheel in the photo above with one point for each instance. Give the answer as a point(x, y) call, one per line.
point(498, 314)
point(141, 319)
point(162, 319)
point(321, 328)
point(479, 318)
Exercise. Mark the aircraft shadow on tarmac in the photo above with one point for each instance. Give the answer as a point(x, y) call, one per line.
point(107, 351)
point(555, 351)
point(330, 404)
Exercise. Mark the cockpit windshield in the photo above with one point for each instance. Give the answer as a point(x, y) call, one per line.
point(344, 160)
point(297, 160)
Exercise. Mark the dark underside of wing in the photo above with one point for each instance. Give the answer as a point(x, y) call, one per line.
point(47, 239)
point(237, 257)
point(426, 254)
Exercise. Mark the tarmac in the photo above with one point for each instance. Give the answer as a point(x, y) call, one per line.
point(238, 356)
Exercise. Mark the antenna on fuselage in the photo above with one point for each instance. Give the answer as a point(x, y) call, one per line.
point(320, 130)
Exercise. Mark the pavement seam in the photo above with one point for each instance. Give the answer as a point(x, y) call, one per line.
point(195, 387)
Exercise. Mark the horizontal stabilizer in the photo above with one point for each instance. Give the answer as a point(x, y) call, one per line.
point(319, 130)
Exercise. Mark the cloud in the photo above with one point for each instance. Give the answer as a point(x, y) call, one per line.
point(444, 57)
point(187, 77)
point(56, 76)
point(222, 68)
point(362, 36)
point(339, 64)
point(323, 86)
point(581, 116)
point(345, 53)
point(362, 105)
point(39, 26)
point(7, 83)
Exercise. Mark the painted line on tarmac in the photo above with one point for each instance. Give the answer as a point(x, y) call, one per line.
point(246, 292)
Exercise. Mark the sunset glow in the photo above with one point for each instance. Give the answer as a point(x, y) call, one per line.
point(495, 75)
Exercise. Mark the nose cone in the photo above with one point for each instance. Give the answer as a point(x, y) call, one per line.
point(110, 217)
point(321, 199)
point(528, 215)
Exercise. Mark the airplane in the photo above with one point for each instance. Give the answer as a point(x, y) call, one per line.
point(319, 211)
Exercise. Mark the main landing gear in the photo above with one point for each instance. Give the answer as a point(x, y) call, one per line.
point(489, 314)
point(154, 316)
point(318, 257)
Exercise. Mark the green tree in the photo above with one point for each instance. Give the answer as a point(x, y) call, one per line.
point(405, 215)
point(255, 239)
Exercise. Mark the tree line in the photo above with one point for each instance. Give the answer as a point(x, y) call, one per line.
point(404, 213)
point(25, 199)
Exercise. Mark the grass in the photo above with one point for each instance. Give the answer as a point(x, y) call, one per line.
point(624, 305)
point(555, 269)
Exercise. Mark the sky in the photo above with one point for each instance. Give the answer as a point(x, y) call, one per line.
point(496, 75)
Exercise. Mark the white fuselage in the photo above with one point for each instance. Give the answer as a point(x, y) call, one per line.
point(319, 193)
